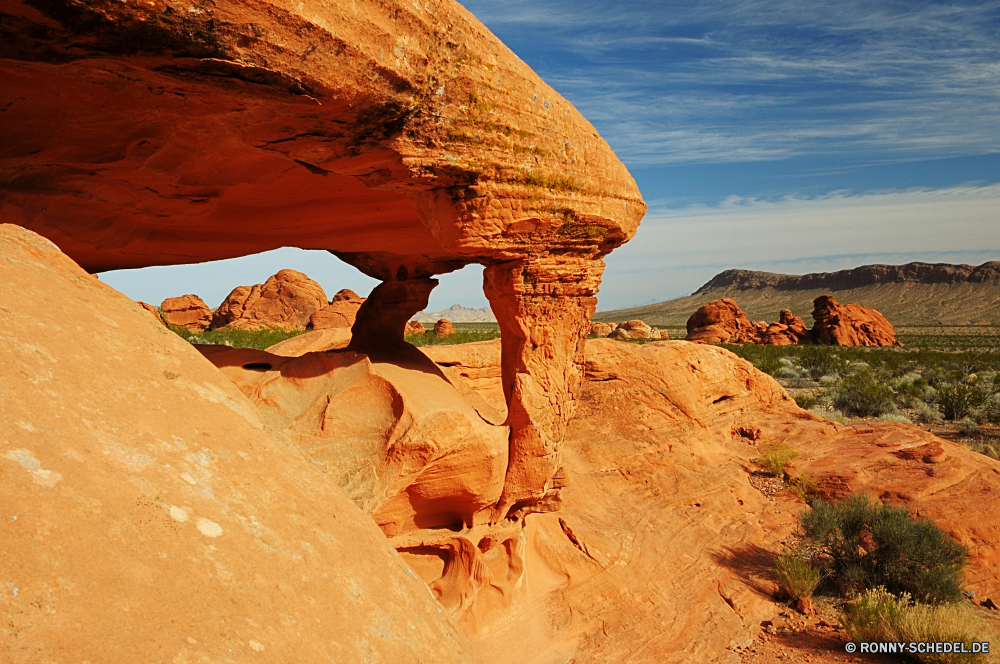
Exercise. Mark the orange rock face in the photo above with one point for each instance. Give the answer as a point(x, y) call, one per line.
point(443, 328)
point(402, 442)
point(393, 134)
point(669, 430)
point(287, 300)
point(152, 310)
point(602, 329)
point(150, 514)
point(720, 321)
point(187, 311)
point(414, 327)
point(850, 324)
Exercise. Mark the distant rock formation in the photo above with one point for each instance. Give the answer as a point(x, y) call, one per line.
point(414, 327)
point(187, 311)
point(602, 329)
point(443, 328)
point(850, 325)
point(287, 300)
point(341, 312)
point(722, 321)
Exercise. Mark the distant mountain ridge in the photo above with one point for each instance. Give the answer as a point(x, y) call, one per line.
point(456, 313)
point(911, 295)
point(866, 275)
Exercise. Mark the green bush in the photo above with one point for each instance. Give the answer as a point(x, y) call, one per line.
point(820, 361)
point(775, 458)
point(259, 339)
point(863, 395)
point(874, 544)
point(806, 401)
point(960, 396)
point(795, 577)
point(879, 616)
point(458, 337)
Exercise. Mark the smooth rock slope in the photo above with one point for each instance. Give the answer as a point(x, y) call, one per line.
point(151, 515)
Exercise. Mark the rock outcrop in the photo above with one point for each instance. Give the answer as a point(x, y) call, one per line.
point(153, 311)
point(150, 514)
point(406, 138)
point(836, 324)
point(669, 429)
point(187, 311)
point(414, 327)
point(634, 329)
point(317, 341)
point(720, 321)
point(287, 300)
point(850, 325)
point(341, 312)
point(401, 442)
point(443, 328)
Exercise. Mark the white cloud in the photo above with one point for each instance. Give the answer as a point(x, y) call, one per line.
point(676, 251)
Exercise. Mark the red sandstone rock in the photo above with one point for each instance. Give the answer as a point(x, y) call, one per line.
point(415, 327)
point(393, 134)
point(151, 514)
point(401, 442)
point(850, 325)
point(317, 341)
point(287, 300)
point(187, 311)
point(721, 321)
point(443, 328)
point(341, 312)
point(602, 329)
point(152, 310)
point(634, 329)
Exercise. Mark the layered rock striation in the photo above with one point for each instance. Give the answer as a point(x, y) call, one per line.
point(405, 138)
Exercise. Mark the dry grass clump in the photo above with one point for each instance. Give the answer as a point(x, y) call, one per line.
point(795, 577)
point(880, 616)
point(775, 458)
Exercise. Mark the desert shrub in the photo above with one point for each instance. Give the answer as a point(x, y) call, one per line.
point(989, 411)
point(928, 413)
point(968, 426)
point(805, 487)
point(259, 339)
point(863, 395)
point(894, 417)
point(874, 544)
point(833, 415)
point(460, 336)
point(795, 577)
point(989, 448)
point(960, 396)
point(820, 361)
point(764, 358)
point(880, 616)
point(775, 458)
point(806, 401)
point(910, 389)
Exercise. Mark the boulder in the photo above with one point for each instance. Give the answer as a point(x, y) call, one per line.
point(636, 329)
point(346, 295)
point(850, 324)
point(602, 329)
point(287, 300)
point(415, 327)
point(151, 514)
point(187, 311)
point(443, 328)
point(341, 312)
point(721, 321)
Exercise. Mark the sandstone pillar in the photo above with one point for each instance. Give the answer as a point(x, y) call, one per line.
point(544, 307)
point(379, 326)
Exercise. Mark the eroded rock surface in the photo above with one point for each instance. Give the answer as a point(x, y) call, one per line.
point(720, 321)
point(287, 300)
point(187, 311)
point(676, 567)
point(150, 514)
point(850, 324)
point(401, 442)
point(406, 138)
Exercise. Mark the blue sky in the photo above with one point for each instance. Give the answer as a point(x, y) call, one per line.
point(776, 135)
